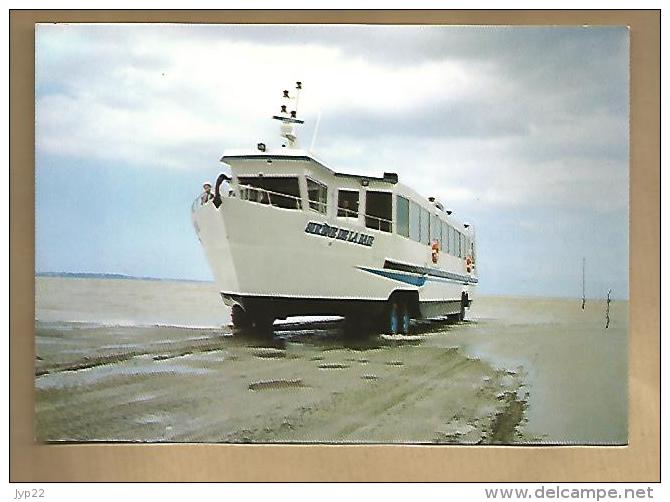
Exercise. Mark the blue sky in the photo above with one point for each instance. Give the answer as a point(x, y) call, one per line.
point(521, 131)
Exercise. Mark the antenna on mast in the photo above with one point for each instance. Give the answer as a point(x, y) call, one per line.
point(298, 87)
point(288, 117)
point(316, 131)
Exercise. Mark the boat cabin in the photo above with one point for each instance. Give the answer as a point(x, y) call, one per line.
point(294, 180)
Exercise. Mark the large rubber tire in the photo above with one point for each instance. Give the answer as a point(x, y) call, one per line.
point(354, 324)
point(240, 318)
point(364, 323)
point(263, 324)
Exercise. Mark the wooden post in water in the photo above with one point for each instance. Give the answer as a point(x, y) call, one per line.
point(607, 311)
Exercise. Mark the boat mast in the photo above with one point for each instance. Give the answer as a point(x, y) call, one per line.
point(288, 116)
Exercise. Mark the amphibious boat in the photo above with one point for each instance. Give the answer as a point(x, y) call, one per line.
point(286, 235)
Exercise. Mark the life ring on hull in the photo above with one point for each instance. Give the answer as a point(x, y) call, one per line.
point(469, 264)
point(435, 251)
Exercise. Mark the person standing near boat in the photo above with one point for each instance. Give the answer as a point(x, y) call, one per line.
point(207, 194)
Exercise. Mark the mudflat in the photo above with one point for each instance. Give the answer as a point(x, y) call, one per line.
point(518, 371)
point(176, 384)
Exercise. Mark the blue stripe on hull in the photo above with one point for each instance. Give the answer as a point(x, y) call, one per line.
point(430, 272)
point(419, 280)
point(397, 276)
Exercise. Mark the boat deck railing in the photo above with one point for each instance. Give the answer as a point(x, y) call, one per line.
point(371, 221)
point(378, 223)
point(263, 196)
point(318, 206)
point(286, 201)
point(345, 212)
point(197, 202)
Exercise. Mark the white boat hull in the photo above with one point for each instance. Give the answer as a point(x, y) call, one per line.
point(280, 260)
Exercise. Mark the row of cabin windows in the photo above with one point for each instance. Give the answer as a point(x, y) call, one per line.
point(378, 208)
point(412, 220)
point(285, 192)
point(416, 223)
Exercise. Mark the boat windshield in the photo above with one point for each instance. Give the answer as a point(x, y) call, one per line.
point(280, 191)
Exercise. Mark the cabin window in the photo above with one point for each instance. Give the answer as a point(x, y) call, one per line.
point(452, 241)
point(378, 210)
point(414, 221)
point(273, 190)
point(347, 203)
point(425, 226)
point(317, 193)
point(459, 247)
point(402, 215)
point(445, 237)
point(435, 229)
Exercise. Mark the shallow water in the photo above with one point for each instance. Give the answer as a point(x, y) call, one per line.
point(119, 302)
point(577, 369)
point(559, 361)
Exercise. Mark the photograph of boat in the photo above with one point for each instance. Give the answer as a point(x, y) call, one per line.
point(289, 236)
point(339, 234)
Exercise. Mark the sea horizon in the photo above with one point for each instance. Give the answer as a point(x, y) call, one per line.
point(119, 276)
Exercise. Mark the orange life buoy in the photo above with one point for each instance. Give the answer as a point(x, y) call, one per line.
point(435, 251)
point(469, 264)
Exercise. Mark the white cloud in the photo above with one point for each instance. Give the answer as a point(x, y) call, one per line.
point(145, 95)
point(524, 130)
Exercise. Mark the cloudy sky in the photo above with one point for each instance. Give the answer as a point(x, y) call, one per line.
point(521, 131)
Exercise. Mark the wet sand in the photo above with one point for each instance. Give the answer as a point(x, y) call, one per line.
point(519, 371)
point(174, 384)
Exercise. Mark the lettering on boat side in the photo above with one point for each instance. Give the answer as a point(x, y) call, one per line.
point(342, 234)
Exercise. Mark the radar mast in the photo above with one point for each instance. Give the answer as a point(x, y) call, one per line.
point(288, 117)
